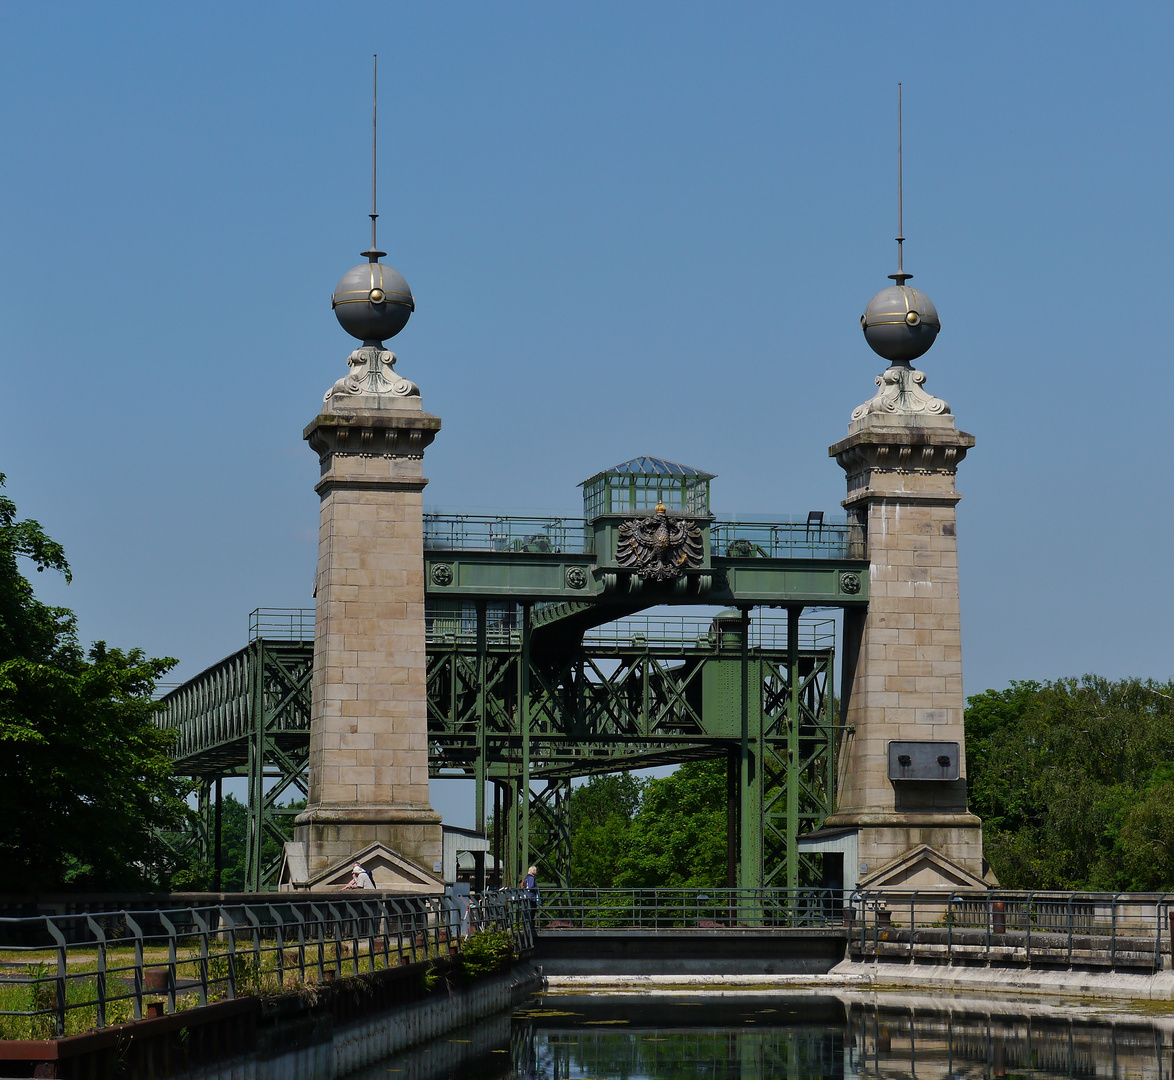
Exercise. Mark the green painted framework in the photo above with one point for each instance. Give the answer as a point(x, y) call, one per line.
point(512, 724)
point(247, 716)
point(556, 691)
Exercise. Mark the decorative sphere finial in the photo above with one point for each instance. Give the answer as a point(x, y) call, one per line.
point(372, 302)
point(900, 323)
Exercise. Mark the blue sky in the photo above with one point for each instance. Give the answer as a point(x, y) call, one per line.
point(630, 228)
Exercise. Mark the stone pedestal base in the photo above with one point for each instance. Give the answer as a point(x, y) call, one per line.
point(330, 834)
point(922, 851)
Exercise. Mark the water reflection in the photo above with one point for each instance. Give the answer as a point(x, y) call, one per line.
point(747, 1037)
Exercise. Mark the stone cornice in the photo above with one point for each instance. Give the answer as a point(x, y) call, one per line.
point(359, 813)
point(385, 434)
point(904, 435)
point(906, 463)
point(897, 820)
point(331, 483)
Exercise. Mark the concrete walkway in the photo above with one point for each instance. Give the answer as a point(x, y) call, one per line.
point(889, 977)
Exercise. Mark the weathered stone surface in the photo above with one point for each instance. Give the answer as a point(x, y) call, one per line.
point(907, 655)
point(368, 763)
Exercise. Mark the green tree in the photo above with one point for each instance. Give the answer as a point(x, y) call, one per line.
point(85, 780)
point(1074, 780)
point(678, 836)
point(199, 875)
point(601, 814)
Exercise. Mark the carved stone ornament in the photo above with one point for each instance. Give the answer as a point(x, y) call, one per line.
point(442, 574)
point(576, 577)
point(372, 375)
point(659, 548)
point(850, 583)
point(901, 393)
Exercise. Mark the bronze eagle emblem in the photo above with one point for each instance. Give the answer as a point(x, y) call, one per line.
point(659, 548)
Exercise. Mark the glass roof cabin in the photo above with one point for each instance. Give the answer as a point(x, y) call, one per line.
point(637, 486)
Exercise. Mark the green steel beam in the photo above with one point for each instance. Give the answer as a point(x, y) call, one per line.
point(527, 577)
point(495, 718)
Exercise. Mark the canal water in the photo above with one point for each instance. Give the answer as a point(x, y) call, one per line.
point(752, 1036)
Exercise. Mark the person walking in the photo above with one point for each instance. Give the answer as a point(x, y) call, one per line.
point(530, 898)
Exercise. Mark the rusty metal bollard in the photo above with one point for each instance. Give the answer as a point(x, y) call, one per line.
point(998, 918)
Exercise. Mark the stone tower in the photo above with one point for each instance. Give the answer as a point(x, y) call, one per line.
point(902, 782)
point(368, 766)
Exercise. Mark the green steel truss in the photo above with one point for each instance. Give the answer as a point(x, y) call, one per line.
point(638, 693)
point(248, 715)
point(538, 674)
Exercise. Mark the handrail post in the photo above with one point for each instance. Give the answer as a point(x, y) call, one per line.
point(1027, 914)
point(1158, 939)
point(1113, 933)
point(990, 919)
point(301, 921)
point(336, 928)
point(172, 960)
point(950, 928)
point(353, 920)
point(226, 919)
point(912, 902)
point(138, 933)
point(255, 922)
point(100, 974)
point(383, 932)
point(1071, 916)
point(202, 923)
point(279, 935)
point(320, 940)
point(62, 971)
point(399, 930)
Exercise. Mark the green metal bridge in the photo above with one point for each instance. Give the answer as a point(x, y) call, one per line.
point(544, 665)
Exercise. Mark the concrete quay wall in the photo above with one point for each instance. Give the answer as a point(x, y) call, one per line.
point(720, 952)
point(341, 1050)
point(888, 979)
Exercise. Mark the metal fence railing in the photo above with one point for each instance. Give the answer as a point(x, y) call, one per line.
point(787, 540)
point(767, 631)
point(669, 909)
point(283, 624)
point(1110, 930)
point(65, 974)
point(573, 535)
point(499, 532)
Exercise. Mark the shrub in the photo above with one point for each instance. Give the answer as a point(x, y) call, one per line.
point(486, 952)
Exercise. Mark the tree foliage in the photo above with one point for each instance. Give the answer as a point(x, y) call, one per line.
point(200, 875)
point(601, 814)
point(1074, 781)
point(632, 832)
point(85, 777)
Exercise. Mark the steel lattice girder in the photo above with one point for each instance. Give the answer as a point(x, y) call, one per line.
point(616, 707)
point(247, 715)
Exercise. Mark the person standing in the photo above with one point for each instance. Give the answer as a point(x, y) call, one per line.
point(530, 900)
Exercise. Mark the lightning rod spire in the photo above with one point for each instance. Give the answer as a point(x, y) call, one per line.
point(900, 277)
point(374, 254)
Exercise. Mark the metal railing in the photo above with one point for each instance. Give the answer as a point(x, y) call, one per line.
point(766, 631)
point(688, 909)
point(786, 540)
point(282, 624)
point(503, 909)
point(574, 535)
point(1065, 929)
point(66, 974)
point(489, 532)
